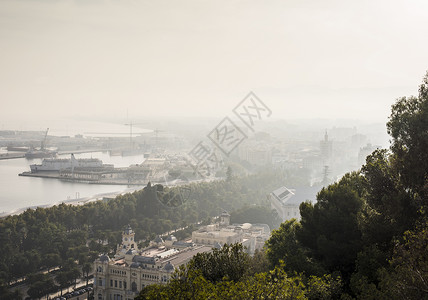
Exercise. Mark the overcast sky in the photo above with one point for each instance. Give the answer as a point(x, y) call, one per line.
point(304, 59)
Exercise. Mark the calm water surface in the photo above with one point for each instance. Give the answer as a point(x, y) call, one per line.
point(19, 191)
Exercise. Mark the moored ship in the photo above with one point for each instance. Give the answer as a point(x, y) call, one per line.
point(58, 164)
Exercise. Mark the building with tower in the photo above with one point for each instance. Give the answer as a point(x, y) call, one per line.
point(326, 147)
point(128, 242)
point(131, 269)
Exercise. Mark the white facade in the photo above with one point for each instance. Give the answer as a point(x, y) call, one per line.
point(280, 201)
point(57, 164)
point(251, 236)
point(123, 277)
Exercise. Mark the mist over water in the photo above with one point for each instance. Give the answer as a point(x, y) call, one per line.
point(20, 191)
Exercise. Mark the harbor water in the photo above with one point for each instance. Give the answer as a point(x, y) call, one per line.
point(17, 192)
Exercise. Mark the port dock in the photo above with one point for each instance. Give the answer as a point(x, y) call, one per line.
point(11, 155)
point(116, 177)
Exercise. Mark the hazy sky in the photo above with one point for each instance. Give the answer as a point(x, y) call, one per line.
point(322, 59)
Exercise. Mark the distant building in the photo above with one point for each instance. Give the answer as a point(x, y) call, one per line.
point(287, 201)
point(124, 276)
point(252, 236)
point(280, 201)
point(326, 148)
point(256, 154)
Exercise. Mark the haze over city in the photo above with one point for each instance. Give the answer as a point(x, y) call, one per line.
point(223, 149)
point(113, 59)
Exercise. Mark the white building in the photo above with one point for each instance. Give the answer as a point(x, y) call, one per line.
point(252, 236)
point(287, 202)
point(123, 277)
point(280, 200)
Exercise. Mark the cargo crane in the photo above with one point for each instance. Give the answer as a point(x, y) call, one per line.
point(43, 143)
point(43, 152)
point(130, 124)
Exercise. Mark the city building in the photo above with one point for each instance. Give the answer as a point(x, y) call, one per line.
point(251, 236)
point(287, 201)
point(131, 269)
point(326, 148)
point(280, 200)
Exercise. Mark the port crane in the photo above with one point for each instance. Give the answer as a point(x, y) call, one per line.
point(130, 124)
point(155, 131)
point(43, 143)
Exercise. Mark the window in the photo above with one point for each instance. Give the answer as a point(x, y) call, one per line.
point(100, 281)
point(115, 283)
point(134, 287)
point(124, 285)
point(111, 282)
point(100, 297)
point(120, 284)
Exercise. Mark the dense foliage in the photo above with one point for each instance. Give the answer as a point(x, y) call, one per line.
point(45, 238)
point(256, 214)
point(228, 274)
point(371, 226)
point(366, 237)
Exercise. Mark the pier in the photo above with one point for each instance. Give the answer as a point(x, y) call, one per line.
point(11, 155)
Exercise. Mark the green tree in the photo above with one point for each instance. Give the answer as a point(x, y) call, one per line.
point(407, 277)
point(230, 262)
point(38, 289)
point(408, 127)
point(329, 229)
point(86, 268)
point(256, 214)
point(284, 246)
point(52, 260)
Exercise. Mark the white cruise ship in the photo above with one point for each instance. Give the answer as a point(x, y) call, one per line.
point(58, 164)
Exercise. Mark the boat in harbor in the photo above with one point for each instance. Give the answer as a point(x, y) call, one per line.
point(58, 164)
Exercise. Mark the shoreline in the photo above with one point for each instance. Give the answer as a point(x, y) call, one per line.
point(78, 201)
point(93, 198)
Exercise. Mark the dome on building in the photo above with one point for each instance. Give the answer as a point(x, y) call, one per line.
point(224, 214)
point(171, 238)
point(104, 258)
point(246, 226)
point(135, 265)
point(169, 267)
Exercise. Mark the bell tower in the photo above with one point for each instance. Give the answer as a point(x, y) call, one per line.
point(128, 239)
point(224, 219)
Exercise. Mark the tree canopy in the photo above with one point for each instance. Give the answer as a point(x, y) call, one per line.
point(370, 226)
